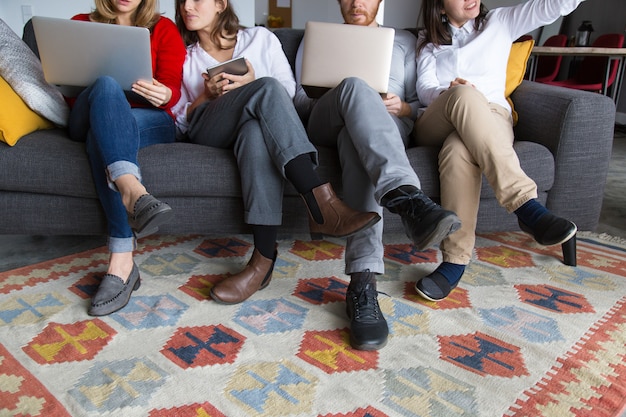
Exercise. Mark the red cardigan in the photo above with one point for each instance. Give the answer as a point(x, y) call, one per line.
point(168, 56)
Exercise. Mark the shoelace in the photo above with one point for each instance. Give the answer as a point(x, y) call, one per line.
point(417, 203)
point(366, 307)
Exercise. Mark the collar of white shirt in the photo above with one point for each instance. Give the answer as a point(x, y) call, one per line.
point(461, 35)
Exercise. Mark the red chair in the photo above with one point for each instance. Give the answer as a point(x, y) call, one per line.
point(548, 66)
point(592, 71)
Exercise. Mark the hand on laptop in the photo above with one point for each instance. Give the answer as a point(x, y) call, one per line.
point(156, 93)
point(396, 106)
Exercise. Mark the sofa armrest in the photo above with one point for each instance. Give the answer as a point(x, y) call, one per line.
point(577, 127)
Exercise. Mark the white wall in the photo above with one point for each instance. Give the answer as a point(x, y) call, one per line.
point(11, 10)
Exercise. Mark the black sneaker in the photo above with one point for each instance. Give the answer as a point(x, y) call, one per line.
point(368, 327)
point(425, 222)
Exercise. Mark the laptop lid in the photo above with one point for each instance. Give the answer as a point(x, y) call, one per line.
point(335, 51)
point(75, 53)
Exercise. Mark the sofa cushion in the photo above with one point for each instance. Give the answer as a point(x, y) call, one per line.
point(21, 68)
point(516, 69)
point(16, 118)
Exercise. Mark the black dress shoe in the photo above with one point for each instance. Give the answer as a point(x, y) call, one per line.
point(550, 229)
point(434, 287)
point(425, 222)
point(368, 327)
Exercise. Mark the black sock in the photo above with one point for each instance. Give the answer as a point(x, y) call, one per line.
point(265, 239)
point(530, 212)
point(301, 173)
point(452, 272)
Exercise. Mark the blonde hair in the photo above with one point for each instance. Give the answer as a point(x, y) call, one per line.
point(146, 15)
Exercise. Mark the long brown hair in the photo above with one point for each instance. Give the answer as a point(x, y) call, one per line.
point(146, 15)
point(224, 33)
point(436, 30)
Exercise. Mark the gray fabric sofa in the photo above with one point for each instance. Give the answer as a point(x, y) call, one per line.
point(563, 140)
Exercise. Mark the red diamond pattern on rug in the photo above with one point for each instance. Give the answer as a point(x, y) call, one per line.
point(223, 248)
point(406, 254)
point(331, 352)
point(199, 286)
point(361, 412)
point(483, 354)
point(321, 290)
point(554, 299)
point(21, 394)
point(192, 347)
point(458, 298)
point(191, 410)
point(504, 257)
point(86, 286)
point(317, 250)
point(79, 341)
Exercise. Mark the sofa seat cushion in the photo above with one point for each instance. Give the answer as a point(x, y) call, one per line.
point(535, 159)
point(47, 162)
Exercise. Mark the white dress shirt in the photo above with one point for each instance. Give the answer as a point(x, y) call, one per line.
point(481, 57)
point(257, 44)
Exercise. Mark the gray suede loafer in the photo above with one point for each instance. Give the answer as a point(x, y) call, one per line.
point(113, 293)
point(148, 214)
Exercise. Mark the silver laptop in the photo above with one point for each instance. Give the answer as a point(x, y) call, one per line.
point(335, 51)
point(75, 53)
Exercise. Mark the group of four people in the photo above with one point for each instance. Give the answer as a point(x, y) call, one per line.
point(446, 88)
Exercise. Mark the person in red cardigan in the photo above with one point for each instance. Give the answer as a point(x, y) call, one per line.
point(114, 129)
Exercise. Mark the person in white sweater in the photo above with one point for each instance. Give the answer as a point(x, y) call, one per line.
point(254, 115)
point(462, 57)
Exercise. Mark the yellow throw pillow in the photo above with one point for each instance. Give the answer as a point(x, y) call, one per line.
point(16, 118)
point(516, 68)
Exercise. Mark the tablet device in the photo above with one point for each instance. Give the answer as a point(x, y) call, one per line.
point(335, 51)
point(236, 66)
point(75, 53)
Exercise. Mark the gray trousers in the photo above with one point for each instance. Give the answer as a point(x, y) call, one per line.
point(353, 118)
point(260, 123)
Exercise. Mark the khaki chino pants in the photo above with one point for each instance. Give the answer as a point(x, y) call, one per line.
point(476, 137)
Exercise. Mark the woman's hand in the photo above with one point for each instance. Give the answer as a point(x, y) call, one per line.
point(156, 93)
point(460, 81)
point(223, 83)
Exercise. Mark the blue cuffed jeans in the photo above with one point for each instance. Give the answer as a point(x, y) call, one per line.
point(114, 132)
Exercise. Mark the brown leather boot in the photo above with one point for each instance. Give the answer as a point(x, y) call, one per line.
point(339, 219)
point(239, 287)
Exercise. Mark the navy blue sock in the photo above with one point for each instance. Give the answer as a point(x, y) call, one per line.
point(530, 212)
point(452, 272)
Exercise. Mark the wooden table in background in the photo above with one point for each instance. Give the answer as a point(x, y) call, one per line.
point(613, 54)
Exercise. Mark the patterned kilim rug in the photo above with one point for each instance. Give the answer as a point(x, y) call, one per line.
point(523, 335)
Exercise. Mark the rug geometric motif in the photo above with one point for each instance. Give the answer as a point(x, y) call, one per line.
point(266, 387)
point(203, 346)
point(521, 335)
point(78, 341)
